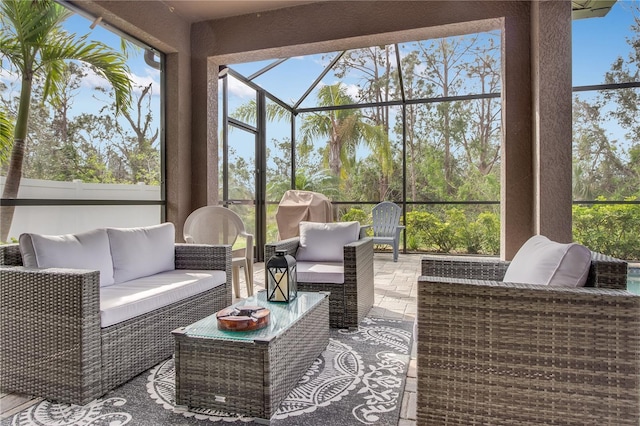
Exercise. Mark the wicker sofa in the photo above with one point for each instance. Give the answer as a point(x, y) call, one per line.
point(491, 352)
point(53, 343)
point(352, 296)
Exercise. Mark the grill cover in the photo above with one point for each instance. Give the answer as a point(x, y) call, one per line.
point(297, 206)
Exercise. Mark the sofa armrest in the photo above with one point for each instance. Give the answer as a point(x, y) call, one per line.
point(10, 255)
point(290, 245)
point(50, 323)
point(511, 347)
point(358, 279)
point(206, 257)
point(203, 256)
point(478, 268)
point(357, 252)
point(607, 272)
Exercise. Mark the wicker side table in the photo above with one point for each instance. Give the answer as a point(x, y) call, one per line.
point(250, 373)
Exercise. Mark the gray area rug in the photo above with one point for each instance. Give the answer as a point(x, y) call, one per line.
point(358, 380)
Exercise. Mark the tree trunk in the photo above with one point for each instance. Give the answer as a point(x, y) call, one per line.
point(14, 174)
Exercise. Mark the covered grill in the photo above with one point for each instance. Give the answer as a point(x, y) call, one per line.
point(297, 206)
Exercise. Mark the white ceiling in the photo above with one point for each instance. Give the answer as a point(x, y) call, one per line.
point(201, 10)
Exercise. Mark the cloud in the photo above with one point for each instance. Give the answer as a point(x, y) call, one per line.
point(140, 82)
point(352, 90)
point(11, 80)
point(240, 90)
point(93, 80)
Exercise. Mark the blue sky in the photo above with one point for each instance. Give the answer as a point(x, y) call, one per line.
point(597, 42)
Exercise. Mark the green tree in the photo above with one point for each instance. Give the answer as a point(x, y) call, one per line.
point(443, 69)
point(139, 154)
point(344, 130)
point(627, 113)
point(33, 41)
point(597, 166)
point(378, 83)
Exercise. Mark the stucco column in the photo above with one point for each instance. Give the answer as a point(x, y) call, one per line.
point(552, 129)
point(204, 143)
point(178, 139)
point(517, 169)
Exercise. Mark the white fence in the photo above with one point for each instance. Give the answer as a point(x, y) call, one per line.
point(71, 219)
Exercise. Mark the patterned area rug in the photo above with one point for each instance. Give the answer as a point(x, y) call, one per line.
point(358, 380)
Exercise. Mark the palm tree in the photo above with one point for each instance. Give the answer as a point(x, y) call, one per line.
point(33, 41)
point(345, 129)
point(6, 132)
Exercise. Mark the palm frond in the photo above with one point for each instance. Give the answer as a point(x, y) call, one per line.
point(107, 62)
point(6, 137)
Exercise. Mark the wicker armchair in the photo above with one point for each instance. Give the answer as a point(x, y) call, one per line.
point(350, 302)
point(53, 345)
point(491, 352)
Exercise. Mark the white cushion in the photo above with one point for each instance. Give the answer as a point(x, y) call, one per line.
point(88, 250)
point(140, 252)
point(324, 242)
point(546, 262)
point(320, 272)
point(120, 302)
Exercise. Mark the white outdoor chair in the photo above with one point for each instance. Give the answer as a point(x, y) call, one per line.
point(386, 227)
point(219, 225)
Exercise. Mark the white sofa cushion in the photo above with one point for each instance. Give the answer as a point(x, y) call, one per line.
point(546, 262)
point(324, 242)
point(87, 250)
point(140, 252)
point(320, 272)
point(123, 301)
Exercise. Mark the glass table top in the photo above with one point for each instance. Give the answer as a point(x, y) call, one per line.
point(282, 315)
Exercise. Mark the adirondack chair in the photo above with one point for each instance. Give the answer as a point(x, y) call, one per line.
point(386, 227)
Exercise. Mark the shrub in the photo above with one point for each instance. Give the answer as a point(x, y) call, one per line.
point(434, 233)
point(489, 228)
point(467, 235)
point(356, 214)
point(611, 229)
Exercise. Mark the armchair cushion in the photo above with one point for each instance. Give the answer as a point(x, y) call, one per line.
point(324, 242)
point(87, 250)
point(320, 272)
point(140, 252)
point(546, 262)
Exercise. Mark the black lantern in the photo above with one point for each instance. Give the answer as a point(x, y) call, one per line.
point(282, 283)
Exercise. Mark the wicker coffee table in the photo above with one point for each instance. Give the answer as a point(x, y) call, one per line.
point(251, 372)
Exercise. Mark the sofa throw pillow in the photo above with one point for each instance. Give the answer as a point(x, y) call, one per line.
point(324, 242)
point(546, 262)
point(140, 252)
point(87, 250)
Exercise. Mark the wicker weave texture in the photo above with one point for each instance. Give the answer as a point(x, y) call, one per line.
point(605, 271)
point(50, 325)
point(249, 378)
point(350, 302)
point(500, 353)
point(133, 346)
point(52, 343)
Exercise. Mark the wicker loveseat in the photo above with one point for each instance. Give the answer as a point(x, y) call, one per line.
point(54, 345)
point(491, 352)
point(349, 281)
